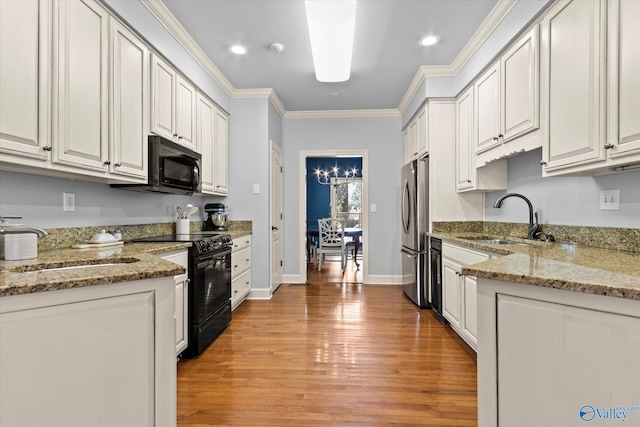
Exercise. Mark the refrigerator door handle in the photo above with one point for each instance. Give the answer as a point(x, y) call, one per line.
point(406, 207)
point(412, 254)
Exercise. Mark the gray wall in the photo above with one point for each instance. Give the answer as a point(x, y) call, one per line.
point(383, 140)
point(565, 200)
point(248, 165)
point(38, 200)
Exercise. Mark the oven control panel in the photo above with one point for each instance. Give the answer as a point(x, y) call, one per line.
point(212, 244)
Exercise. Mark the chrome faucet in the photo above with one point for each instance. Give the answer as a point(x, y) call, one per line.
point(534, 227)
point(22, 230)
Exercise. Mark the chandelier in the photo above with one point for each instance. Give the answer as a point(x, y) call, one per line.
point(330, 177)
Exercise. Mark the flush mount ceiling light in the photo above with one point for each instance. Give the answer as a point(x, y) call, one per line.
point(238, 49)
point(331, 27)
point(276, 47)
point(429, 40)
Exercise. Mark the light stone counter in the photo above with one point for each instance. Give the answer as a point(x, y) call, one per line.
point(133, 261)
point(556, 265)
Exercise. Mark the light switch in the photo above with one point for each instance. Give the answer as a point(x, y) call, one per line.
point(256, 188)
point(68, 202)
point(373, 207)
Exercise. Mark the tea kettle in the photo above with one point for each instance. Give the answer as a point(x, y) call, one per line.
point(216, 219)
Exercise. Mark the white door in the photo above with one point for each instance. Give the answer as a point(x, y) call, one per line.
point(276, 216)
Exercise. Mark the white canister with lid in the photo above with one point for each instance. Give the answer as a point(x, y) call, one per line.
point(17, 241)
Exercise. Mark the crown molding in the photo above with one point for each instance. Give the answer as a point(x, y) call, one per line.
point(261, 93)
point(495, 17)
point(341, 114)
point(166, 18)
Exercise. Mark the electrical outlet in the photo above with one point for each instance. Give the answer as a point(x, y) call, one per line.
point(610, 200)
point(373, 207)
point(69, 202)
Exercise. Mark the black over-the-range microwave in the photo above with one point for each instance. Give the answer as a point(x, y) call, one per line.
point(173, 169)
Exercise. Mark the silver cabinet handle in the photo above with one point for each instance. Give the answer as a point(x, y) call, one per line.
point(542, 162)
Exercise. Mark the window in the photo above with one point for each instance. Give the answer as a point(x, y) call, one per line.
point(346, 201)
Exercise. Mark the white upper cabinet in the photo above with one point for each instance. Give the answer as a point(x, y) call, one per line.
point(507, 103)
point(186, 114)
point(415, 136)
point(591, 76)
point(487, 109)
point(80, 136)
point(129, 103)
point(574, 56)
point(624, 79)
point(173, 105)
point(221, 153)
point(25, 91)
point(469, 177)
point(163, 89)
point(464, 141)
point(520, 87)
point(206, 138)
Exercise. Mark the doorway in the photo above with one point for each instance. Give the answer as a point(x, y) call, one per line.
point(342, 197)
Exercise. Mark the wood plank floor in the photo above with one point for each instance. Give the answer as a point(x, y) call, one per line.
point(331, 354)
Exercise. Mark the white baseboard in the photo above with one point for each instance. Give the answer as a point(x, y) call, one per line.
point(379, 279)
point(293, 278)
point(260, 294)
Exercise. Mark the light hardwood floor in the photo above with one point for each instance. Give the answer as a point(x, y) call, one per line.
point(331, 354)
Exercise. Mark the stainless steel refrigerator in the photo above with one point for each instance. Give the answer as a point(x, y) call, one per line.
point(415, 220)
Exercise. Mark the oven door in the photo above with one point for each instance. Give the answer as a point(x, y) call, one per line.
point(210, 284)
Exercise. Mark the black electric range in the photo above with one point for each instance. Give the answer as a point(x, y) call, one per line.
point(209, 289)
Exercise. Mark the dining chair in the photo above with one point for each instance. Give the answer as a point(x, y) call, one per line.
point(331, 238)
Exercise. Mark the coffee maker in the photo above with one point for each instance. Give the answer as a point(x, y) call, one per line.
point(216, 219)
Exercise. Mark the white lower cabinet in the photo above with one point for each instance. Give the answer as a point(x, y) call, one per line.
point(90, 356)
point(182, 301)
point(459, 293)
point(240, 270)
point(571, 354)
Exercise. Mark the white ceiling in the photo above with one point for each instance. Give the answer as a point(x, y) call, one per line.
point(386, 52)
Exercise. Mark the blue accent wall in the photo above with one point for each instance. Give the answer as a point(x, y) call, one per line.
point(318, 195)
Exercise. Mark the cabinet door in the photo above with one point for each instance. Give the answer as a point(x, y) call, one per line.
point(205, 119)
point(470, 290)
point(487, 108)
point(465, 167)
point(413, 139)
point(220, 155)
point(520, 87)
point(574, 56)
point(451, 292)
point(587, 357)
point(181, 313)
point(186, 114)
point(163, 88)
point(421, 141)
point(24, 77)
point(406, 146)
point(129, 103)
point(80, 135)
point(624, 77)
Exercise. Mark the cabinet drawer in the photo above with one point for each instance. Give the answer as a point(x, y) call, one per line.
point(241, 285)
point(239, 243)
point(240, 261)
point(462, 255)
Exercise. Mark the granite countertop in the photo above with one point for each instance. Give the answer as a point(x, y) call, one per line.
point(133, 261)
point(555, 265)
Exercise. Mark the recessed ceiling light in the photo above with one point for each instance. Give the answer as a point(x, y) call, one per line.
point(238, 49)
point(429, 40)
point(334, 95)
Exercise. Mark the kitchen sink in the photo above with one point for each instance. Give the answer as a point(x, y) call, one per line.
point(40, 268)
point(493, 241)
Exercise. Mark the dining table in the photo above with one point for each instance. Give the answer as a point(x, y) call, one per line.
point(353, 232)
